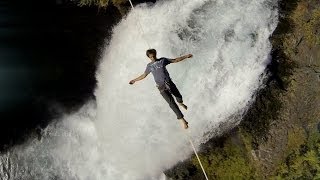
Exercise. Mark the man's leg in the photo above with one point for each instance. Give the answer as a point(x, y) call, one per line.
point(174, 90)
point(168, 97)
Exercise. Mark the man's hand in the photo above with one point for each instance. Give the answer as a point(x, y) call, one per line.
point(142, 76)
point(189, 56)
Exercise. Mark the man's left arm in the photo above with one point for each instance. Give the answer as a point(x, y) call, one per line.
point(178, 59)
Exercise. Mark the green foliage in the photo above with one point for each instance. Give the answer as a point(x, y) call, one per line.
point(122, 5)
point(227, 162)
point(100, 3)
point(296, 138)
point(304, 162)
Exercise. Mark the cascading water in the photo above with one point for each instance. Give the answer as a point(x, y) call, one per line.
point(130, 132)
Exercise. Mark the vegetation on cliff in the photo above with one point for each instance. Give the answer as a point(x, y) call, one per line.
point(229, 161)
point(302, 162)
point(121, 5)
point(99, 3)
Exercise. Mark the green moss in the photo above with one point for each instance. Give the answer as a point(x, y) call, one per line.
point(303, 162)
point(246, 139)
point(99, 3)
point(122, 5)
point(227, 162)
point(296, 137)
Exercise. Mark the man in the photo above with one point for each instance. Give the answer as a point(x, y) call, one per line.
point(164, 83)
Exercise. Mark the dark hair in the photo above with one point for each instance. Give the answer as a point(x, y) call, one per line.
point(151, 51)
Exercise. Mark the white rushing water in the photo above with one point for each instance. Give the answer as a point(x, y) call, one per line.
point(130, 132)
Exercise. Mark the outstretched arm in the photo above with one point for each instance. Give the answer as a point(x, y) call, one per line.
point(142, 76)
point(178, 59)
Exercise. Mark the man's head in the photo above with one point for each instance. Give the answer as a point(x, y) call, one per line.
point(152, 54)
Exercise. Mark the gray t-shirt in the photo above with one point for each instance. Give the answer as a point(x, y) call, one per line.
point(159, 71)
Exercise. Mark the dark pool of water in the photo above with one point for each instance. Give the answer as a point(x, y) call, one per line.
point(48, 56)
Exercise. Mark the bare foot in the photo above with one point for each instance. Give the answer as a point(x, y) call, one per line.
point(184, 123)
point(184, 106)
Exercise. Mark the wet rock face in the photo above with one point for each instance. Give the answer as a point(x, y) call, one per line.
point(280, 132)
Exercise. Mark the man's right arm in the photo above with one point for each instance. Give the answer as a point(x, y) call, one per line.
point(142, 76)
